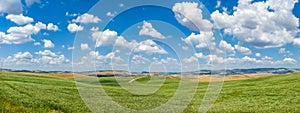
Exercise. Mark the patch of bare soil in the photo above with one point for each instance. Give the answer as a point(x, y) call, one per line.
point(207, 78)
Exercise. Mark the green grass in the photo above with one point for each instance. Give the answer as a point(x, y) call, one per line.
point(30, 93)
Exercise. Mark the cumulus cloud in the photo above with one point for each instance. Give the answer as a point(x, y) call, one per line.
point(22, 34)
point(49, 57)
point(148, 30)
point(19, 19)
point(25, 55)
point(266, 24)
point(101, 61)
point(122, 43)
point(111, 38)
point(190, 15)
point(84, 47)
point(267, 58)
point(104, 38)
point(52, 27)
point(192, 59)
point(211, 59)
point(36, 43)
point(243, 62)
point(48, 43)
point(74, 27)
point(226, 46)
point(139, 59)
point(46, 53)
point(87, 18)
point(150, 47)
point(94, 29)
point(42, 58)
point(296, 42)
point(257, 54)
point(202, 40)
point(243, 50)
point(289, 60)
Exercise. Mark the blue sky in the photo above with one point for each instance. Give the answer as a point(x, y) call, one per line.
point(174, 35)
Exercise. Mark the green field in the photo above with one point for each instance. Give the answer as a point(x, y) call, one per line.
point(31, 93)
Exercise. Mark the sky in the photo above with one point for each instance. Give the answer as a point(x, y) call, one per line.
point(154, 35)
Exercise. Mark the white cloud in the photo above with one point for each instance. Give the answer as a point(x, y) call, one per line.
point(267, 58)
point(248, 62)
point(122, 43)
point(148, 30)
point(74, 28)
point(25, 55)
point(11, 6)
point(289, 60)
point(49, 57)
point(190, 15)
point(254, 23)
point(48, 43)
point(211, 59)
point(46, 59)
point(20, 35)
point(203, 40)
point(43, 59)
point(257, 54)
point(185, 48)
point(105, 38)
point(19, 19)
point(192, 59)
point(282, 50)
point(111, 14)
point(150, 47)
point(226, 46)
point(36, 43)
point(98, 56)
point(87, 18)
point(285, 52)
point(84, 47)
point(243, 50)
point(28, 29)
point(218, 4)
point(168, 64)
point(111, 38)
point(52, 27)
point(46, 53)
point(296, 42)
point(94, 58)
point(72, 15)
point(59, 60)
point(94, 29)
point(71, 48)
point(139, 59)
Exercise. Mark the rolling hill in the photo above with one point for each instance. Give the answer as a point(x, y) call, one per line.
point(34, 93)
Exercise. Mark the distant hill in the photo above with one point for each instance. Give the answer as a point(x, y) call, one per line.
point(199, 72)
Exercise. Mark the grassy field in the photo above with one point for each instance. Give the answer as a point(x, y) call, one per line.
point(33, 93)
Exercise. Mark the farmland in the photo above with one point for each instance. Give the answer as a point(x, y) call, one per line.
point(26, 92)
